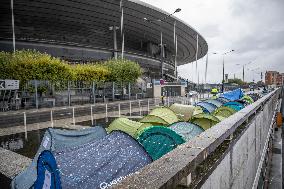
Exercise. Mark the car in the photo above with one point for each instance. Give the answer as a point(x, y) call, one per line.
point(192, 93)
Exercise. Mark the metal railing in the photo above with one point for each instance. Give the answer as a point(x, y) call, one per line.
point(226, 155)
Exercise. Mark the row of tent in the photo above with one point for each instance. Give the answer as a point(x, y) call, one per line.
point(98, 157)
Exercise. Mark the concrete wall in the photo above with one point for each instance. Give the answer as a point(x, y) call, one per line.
point(239, 168)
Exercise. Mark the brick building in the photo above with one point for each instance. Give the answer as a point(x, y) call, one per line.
point(274, 78)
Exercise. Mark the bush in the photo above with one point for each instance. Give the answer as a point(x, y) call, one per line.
point(90, 72)
point(123, 70)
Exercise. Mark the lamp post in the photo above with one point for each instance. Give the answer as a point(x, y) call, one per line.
point(223, 81)
point(161, 40)
point(244, 69)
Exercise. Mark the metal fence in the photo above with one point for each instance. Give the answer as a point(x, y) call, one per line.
point(229, 155)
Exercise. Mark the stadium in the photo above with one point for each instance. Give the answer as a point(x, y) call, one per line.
point(82, 31)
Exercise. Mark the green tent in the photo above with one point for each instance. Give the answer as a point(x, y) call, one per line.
point(204, 120)
point(224, 111)
point(161, 115)
point(183, 112)
point(126, 125)
point(248, 99)
point(159, 140)
point(197, 110)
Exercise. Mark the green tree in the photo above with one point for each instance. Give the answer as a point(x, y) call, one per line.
point(236, 81)
point(90, 72)
point(123, 70)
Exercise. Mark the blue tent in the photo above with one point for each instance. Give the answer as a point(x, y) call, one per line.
point(234, 105)
point(215, 102)
point(222, 100)
point(186, 130)
point(56, 139)
point(207, 107)
point(100, 163)
point(233, 95)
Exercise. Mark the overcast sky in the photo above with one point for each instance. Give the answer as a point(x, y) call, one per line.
point(253, 28)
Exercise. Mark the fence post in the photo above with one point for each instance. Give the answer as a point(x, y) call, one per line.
point(148, 106)
point(119, 113)
point(69, 93)
point(106, 114)
point(51, 119)
point(25, 124)
point(129, 91)
point(113, 91)
point(140, 110)
point(92, 116)
point(168, 101)
point(73, 114)
point(94, 93)
point(129, 108)
point(36, 98)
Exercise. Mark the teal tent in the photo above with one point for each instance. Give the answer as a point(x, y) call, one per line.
point(159, 140)
point(234, 105)
point(186, 130)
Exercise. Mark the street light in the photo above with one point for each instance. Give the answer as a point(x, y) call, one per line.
point(161, 40)
point(224, 67)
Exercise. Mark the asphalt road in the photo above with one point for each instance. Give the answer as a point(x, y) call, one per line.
point(17, 119)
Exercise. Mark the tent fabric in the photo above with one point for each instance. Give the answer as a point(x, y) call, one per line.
point(56, 139)
point(223, 100)
point(220, 118)
point(233, 95)
point(48, 175)
point(224, 111)
point(126, 125)
point(243, 102)
point(248, 99)
point(101, 162)
point(162, 115)
point(159, 140)
point(204, 120)
point(186, 130)
point(183, 112)
point(215, 102)
point(207, 107)
point(197, 110)
point(234, 105)
point(254, 96)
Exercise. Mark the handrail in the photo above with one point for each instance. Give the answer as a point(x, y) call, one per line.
point(168, 171)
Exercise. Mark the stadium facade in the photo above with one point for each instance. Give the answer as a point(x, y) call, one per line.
point(90, 30)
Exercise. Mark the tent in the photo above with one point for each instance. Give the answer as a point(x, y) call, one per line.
point(248, 99)
point(233, 95)
point(197, 110)
point(254, 96)
point(100, 163)
point(234, 105)
point(161, 115)
point(186, 130)
point(207, 107)
point(183, 112)
point(159, 140)
point(48, 174)
point(126, 125)
point(243, 102)
point(56, 139)
point(224, 111)
point(222, 100)
point(215, 102)
point(204, 120)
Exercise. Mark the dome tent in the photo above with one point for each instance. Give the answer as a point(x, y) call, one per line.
point(105, 161)
point(234, 105)
point(215, 102)
point(159, 140)
point(223, 100)
point(224, 111)
point(254, 96)
point(161, 115)
point(186, 130)
point(204, 120)
point(56, 139)
point(233, 95)
point(248, 99)
point(207, 107)
point(183, 112)
point(126, 125)
point(197, 110)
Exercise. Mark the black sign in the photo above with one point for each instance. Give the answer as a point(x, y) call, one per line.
point(2, 84)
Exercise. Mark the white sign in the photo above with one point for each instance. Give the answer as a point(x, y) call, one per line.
point(9, 84)
point(149, 85)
